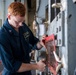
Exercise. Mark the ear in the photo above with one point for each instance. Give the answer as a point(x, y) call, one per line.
point(9, 16)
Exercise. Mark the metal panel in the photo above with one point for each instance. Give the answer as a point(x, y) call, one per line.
point(60, 29)
point(57, 28)
point(65, 28)
point(71, 37)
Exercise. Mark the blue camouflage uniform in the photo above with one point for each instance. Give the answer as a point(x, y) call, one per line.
point(15, 48)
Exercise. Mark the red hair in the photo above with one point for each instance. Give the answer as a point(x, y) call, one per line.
point(17, 8)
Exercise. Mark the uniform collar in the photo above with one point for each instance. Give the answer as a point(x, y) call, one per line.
point(10, 29)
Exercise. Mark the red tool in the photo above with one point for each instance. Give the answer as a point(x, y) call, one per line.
point(51, 62)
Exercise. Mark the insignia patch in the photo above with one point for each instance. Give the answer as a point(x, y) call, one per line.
point(26, 35)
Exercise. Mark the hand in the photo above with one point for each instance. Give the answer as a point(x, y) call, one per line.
point(43, 40)
point(41, 65)
point(43, 37)
point(41, 43)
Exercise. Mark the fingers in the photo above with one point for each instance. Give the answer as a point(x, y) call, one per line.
point(41, 65)
point(44, 61)
point(42, 68)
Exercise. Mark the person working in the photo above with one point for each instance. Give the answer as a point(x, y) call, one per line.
point(16, 43)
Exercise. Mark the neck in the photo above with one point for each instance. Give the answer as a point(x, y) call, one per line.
point(12, 26)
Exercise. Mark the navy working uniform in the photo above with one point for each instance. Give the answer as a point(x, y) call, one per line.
point(15, 48)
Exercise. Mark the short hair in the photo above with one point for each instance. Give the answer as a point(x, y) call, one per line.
point(17, 8)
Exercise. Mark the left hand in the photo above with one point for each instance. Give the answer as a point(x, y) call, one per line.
point(43, 40)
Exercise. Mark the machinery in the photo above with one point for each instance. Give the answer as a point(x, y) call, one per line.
point(61, 22)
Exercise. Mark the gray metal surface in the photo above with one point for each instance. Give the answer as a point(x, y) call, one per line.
point(66, 34)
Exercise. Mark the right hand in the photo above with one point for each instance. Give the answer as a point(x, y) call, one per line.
point(41, 66)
